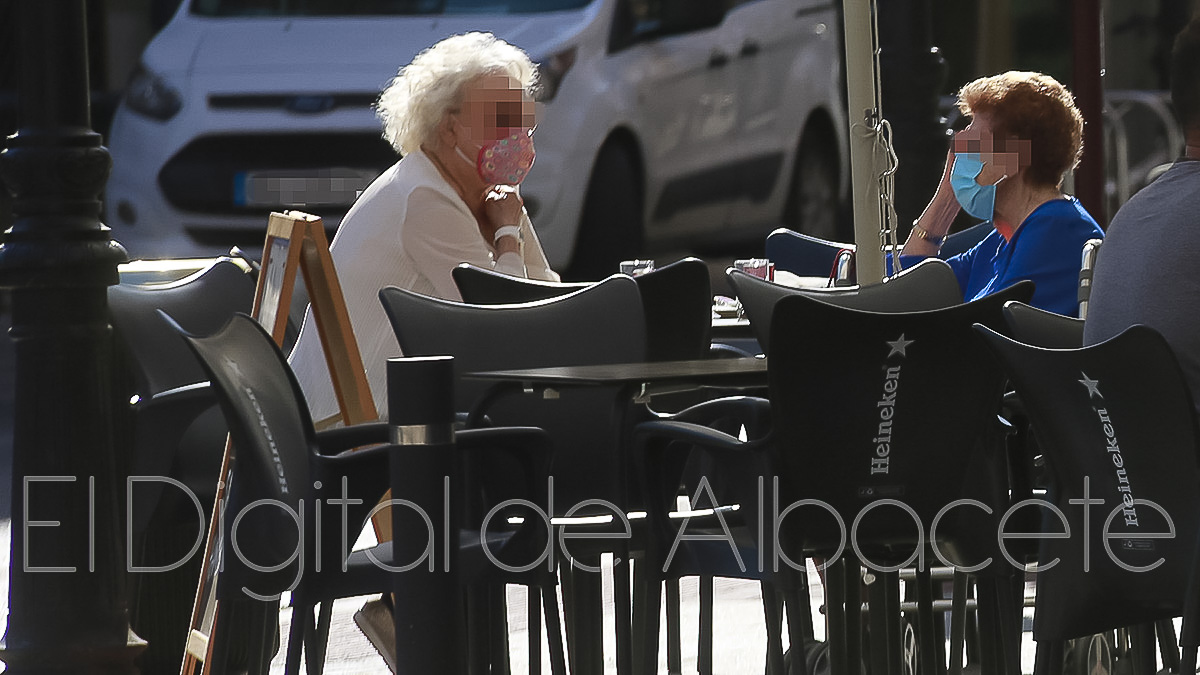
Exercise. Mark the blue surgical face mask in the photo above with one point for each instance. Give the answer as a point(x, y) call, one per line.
point(977, 200)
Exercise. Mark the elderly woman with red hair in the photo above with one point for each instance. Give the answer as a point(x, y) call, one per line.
point(1007, 167)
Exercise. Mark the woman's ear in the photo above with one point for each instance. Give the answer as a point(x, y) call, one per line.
point(445, 131)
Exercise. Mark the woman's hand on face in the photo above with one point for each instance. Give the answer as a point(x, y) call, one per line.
point(502, 206)
point(945, 184)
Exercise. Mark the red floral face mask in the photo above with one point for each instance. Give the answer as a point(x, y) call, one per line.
point(505, 161)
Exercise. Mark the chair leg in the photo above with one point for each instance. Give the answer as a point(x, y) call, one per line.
point(622, 613)
point(301, 618)
point(990, 655)
point(582, 600)
point(1168, 646)
point(1048, 659)
point(880, 636)
point(1142, 646)
point(647, 587)
point(674, 630)
point(558, 659)
point(533, 619)
point(704, 648)
point(772, 612)
point(925, 625)
point(317, 642)
point(478, 630)
point(853, 592)
point(798, 605)
point(497, 608)
point(958, 620)
point(800, 624)
point(835, 616)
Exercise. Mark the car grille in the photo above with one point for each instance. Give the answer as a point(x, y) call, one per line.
point(204, 175)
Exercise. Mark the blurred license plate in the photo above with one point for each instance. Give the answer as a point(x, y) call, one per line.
point(318, 187)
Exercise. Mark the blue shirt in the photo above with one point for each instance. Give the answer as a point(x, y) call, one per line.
point(1046, 249)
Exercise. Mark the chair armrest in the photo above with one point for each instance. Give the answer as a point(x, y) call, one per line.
point(706, 438)
point(729, 413)
point(663, 451)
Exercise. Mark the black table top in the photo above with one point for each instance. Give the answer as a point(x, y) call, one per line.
point(718, 372)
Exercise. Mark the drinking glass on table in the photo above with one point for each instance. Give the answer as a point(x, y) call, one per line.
point(636, 267)
point(758, 267)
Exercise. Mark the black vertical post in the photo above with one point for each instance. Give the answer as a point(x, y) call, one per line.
point(67, 611)
point(1088, 84)
point(424, 472)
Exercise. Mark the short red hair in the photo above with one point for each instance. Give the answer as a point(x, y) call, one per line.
point(1030, 107)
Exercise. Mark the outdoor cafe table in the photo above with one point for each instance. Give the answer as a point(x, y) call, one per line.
point(636, 384)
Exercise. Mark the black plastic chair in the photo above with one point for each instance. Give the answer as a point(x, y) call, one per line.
point(929, 285)
point(676, 302)
point(602, 323)
point(960, 241)
point(832, 371)
point(802, 254)
point(480, 286)
point(1036, 326)
point(1117, 423)
point(809, 256)
point(175, 432)
point(282, 462)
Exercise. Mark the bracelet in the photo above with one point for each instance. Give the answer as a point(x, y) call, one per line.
point(507, 231)
point(922, 233)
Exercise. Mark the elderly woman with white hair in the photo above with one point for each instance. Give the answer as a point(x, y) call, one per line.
point(462, 117)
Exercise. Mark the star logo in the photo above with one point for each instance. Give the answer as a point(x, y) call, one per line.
point(898, 346)
point(1093, 386)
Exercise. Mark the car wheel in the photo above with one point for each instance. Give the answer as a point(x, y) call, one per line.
point(813, 205)
point(611, 227)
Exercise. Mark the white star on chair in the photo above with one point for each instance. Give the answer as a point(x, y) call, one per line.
point(898, 346)
point(1093, 386)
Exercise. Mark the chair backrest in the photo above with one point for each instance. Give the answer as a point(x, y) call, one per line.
point(273, 441)
point(1036, 326)
point(677, 306)
point(676, 301)
point(928, 285)
point(871, 406)
point(962, 240)
point(802, 254)
point(201, 303)
point(480, 286)
point(809, 256)
point(1116, 423)
point(600, 324)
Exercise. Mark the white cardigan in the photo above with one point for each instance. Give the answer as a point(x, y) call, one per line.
point(409, 229)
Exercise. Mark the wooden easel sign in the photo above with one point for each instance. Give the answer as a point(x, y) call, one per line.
point(295, 242)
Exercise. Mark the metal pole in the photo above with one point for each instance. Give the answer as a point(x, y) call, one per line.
point(860, 102)
point(1088, 83)
point(67, 610)
point(424, 471)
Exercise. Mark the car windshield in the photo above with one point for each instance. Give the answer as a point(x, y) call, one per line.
point(377, 7)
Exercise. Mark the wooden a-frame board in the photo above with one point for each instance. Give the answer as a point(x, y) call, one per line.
point(295, 241)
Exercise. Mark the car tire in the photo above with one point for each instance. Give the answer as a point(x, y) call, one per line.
point(813, 206)
point(611, 226)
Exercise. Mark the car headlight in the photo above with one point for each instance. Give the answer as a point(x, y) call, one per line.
point(149, 94)
point(551, 72)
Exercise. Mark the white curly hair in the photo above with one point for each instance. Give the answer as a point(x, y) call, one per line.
point(414, 102)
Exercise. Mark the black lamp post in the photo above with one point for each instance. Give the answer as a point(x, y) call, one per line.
point(67, 610)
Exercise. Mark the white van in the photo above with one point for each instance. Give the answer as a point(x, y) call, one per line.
point(660, 121)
